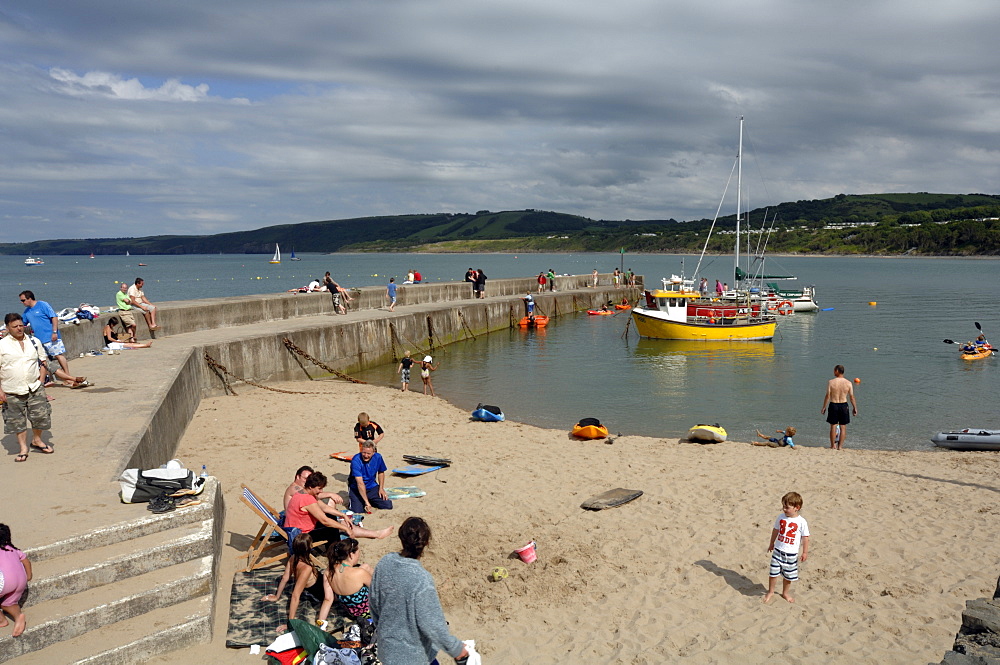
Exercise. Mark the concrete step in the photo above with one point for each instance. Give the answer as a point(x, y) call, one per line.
point(78, 571)
point(143, 524)
point(131, 641)
point(69, 617)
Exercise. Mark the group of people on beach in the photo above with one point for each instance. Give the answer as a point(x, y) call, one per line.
point(397, 597)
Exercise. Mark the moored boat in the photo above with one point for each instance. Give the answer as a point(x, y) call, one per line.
point(31, 261)
point(708, 433)
point(538, 321)
point(668, 315)
point(973, 438)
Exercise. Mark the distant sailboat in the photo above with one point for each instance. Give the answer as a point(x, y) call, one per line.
point(277, 254)
point(91, 255)
point(293, 257)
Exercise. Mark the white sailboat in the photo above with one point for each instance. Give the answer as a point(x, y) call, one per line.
point(277, 254)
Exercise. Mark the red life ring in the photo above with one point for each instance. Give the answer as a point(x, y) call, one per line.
point(783, 310)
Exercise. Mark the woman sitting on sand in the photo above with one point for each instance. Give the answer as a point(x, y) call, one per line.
point(301, 568)
point(346, 580)
point(112, 341)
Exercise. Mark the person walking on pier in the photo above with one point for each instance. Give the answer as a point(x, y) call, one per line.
point(390, 293)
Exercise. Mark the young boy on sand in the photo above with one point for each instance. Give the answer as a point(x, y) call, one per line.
point(774, 442)
point(790, 533)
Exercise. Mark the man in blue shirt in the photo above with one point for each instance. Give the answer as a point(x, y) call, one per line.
point(45, 326)
point(365, 486)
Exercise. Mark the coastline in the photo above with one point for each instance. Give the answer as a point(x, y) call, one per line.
point(679, 573)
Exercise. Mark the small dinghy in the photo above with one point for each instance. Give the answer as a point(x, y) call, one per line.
point(488, 414)
point(539, 321)
point(707, 433)
point(973, 438)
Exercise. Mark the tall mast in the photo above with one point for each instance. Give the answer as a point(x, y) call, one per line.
point(739, 195)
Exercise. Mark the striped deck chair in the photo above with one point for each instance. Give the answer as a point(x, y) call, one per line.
point(263, 551)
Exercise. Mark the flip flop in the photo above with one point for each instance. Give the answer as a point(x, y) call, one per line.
point(46, 449)
point(80, 379)
point(21, 457)
point(82, 384)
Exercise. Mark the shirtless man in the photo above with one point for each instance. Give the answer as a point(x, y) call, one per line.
point(299, 484)
point(838, 391)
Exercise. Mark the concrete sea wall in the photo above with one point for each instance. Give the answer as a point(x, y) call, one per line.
point(247, 336)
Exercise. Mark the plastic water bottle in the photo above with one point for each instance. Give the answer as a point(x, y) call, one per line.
point(204, 471)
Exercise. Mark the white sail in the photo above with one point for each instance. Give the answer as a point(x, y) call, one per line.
point(277, 254)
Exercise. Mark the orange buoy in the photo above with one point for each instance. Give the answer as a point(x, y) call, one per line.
point(857, 380)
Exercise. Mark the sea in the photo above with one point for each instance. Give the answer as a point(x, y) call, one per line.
point(884, 319)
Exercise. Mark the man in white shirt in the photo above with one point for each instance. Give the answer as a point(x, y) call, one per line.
point(139, 300)
point(22, 391)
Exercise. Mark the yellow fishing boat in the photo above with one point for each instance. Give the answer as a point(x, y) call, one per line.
point(665, 316)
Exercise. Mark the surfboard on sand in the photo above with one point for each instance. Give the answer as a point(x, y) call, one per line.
point(415, 469)
point(610, 499)
point(404, 492)
point(347, 457)
point(429, 461)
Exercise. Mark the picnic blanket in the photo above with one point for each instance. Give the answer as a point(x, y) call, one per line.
point(255, 621)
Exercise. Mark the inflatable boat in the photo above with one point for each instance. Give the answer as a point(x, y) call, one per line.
point(973, 438)
point(488, 414)
point(707, 433)
point(599, 312)
point(537, 321)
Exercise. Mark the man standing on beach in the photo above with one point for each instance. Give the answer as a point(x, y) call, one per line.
point(22, 387)
point(838, 391)
point(125, 313)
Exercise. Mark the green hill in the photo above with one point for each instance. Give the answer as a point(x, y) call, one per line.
point(921, 223)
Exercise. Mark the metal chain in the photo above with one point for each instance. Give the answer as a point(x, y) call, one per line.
point(222, 371)
point(466, 325)
point(291, 347)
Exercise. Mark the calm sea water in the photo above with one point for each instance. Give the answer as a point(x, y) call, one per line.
point(912, 384)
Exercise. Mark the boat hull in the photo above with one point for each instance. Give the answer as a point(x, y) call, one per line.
point(707, 433)
point(485, 416)
point(968, 439)
point(590, 431)
point(724, 329)
point(979, 355)
point(539, 321)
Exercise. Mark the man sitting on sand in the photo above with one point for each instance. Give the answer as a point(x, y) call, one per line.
point(365, 486)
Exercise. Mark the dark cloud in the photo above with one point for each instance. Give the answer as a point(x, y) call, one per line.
point(192, 117)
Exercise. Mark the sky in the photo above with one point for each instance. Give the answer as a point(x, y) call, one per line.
point(190, 117)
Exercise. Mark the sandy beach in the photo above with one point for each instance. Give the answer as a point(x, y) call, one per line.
point(900, 540)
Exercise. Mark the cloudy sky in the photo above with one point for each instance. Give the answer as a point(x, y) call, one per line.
point(184, 116)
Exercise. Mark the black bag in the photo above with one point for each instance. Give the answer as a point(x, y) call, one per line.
point(139, 486)
point(495, 410)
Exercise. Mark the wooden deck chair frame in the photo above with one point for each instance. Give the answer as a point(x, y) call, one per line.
point(262, 545)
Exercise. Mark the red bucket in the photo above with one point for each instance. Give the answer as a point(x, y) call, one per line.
point(527, 553)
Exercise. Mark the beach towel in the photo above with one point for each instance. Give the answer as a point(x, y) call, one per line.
point(255, 621)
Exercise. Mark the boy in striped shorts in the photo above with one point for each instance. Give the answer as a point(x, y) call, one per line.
point(789, 535)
